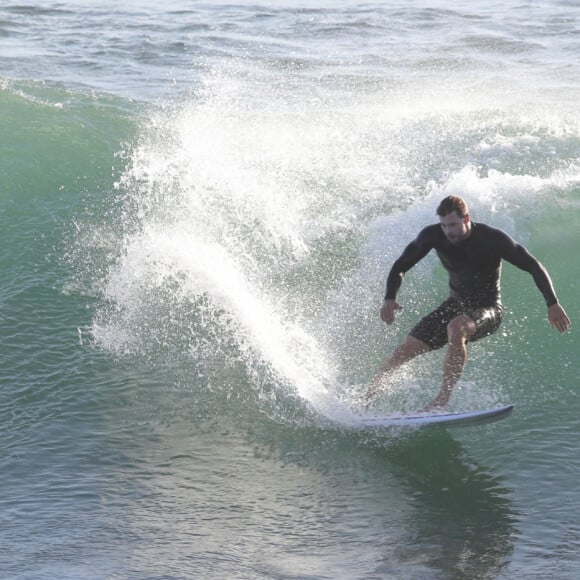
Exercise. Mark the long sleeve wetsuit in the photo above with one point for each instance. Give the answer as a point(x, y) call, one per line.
point(474, 264)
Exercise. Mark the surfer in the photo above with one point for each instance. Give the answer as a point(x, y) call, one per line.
point(472, 254)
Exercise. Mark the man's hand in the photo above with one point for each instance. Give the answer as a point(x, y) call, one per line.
point(558, 318)
point(388, 310)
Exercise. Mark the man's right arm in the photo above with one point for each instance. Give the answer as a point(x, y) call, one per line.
point(412, 254)
point(388, 310)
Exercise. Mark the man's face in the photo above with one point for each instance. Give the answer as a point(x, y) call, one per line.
point(455, 228)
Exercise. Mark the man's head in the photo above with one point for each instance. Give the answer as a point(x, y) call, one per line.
point(454, 219)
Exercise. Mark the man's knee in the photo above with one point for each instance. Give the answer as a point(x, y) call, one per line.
point(406, 351)
point(460, 329)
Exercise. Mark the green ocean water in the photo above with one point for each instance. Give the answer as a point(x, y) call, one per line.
point(192, 278)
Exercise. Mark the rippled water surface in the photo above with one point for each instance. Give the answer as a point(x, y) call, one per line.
point(199, 203)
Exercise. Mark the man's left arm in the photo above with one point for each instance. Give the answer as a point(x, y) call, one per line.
point(517, 255)
point(558, 318)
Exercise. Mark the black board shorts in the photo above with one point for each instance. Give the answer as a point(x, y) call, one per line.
point(432, 329)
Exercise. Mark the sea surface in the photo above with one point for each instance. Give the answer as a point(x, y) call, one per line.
point(199, 204)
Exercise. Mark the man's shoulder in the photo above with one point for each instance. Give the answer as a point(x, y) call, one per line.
point(494, 239)
point(485, 230)
point(431, 233)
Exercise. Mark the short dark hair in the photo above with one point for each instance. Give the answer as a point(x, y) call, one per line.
point(452, 203)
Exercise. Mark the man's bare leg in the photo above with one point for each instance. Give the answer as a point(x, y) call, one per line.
point(459, 330)
point(405, 352)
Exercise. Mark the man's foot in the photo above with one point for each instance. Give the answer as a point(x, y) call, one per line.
point(372, 394)
point(433, 407)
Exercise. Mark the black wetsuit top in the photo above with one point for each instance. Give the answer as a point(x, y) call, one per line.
point(474, 264)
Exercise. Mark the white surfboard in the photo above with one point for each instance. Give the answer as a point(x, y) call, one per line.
point(424, 419)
